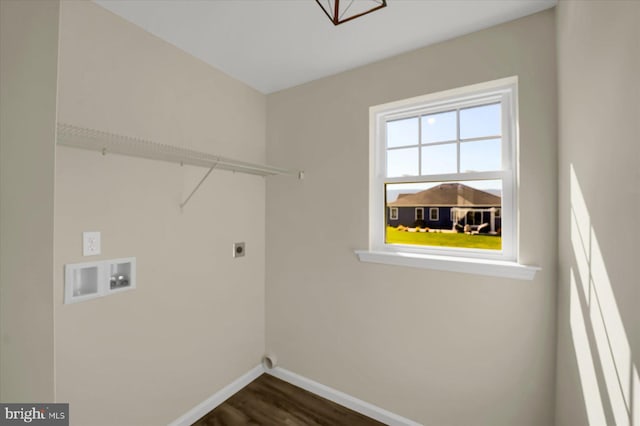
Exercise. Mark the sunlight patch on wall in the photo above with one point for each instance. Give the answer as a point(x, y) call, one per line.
point(635, 406)
point(613, 325)
point(580, 212)
point(604, 322)
point(615, 389)
point(588, 380)
point(580, 223)
point(581, 251)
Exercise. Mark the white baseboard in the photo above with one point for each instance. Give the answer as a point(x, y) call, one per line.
point(217, 398)
point(342, 398)
point(319, 389)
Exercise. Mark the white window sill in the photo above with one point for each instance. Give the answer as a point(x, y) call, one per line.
point(494, 268)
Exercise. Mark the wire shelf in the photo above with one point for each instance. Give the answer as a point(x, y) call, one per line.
point(110, 143)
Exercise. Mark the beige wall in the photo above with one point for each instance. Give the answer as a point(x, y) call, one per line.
point(439, 348)
point(196, 321)
point(599, 136)
point(28, 73)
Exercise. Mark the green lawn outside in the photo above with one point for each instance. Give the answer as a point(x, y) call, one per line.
point(488, 242)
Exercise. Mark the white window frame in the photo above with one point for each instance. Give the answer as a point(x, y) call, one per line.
point(415, 214)
point(393, 213)
point(505, 260)
point(437, 210)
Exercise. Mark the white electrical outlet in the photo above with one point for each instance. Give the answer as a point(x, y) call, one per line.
point(90, 243)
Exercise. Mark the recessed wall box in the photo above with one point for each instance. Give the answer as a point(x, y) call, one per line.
point(122, 274)
point(83, 281)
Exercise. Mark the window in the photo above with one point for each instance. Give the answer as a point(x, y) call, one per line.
point(393, 213)
point(454, 150)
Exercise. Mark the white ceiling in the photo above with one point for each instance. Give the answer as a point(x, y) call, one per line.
point(275, 44)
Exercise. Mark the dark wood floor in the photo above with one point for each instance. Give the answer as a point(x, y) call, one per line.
point(268, 401)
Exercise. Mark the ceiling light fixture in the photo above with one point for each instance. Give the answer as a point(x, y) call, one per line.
point(340, 11)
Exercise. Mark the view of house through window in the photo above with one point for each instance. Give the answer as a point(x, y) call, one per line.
point(447, 166)
point(461, 214)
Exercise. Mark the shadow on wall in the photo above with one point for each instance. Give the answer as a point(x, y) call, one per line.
point(608, 375)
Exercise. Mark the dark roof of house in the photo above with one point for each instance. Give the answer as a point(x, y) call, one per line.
point(447, 194)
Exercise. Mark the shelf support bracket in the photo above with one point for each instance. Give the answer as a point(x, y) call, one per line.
point(184, 203)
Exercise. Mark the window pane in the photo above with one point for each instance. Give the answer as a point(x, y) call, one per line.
point(439, 127)
point(402, 132)
point(481, 156)
point(468, 214)
point(438, 159)
point(402, 162)
point(481, 121)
